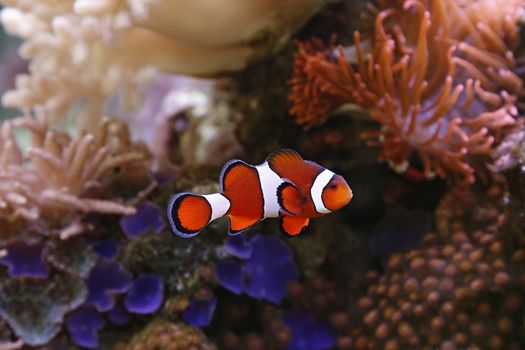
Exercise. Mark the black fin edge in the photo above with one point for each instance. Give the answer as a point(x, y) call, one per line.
point(227, 168)
point(176, 226)
point(235, 233)
point(283, 231)
point(275, 154)
point(281, 187)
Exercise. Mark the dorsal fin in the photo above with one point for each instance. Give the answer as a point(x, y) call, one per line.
point(283, 157)
point(234, 173)
point(288, 164)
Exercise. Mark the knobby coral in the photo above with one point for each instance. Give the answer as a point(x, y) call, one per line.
point(61, 176)
point(462, 287)
point(438, 79)
point(169, 336)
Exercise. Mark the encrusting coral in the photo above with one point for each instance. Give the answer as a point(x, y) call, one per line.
point(52, 283)
point(83, 52)
point(438, 79)
point(58, 176)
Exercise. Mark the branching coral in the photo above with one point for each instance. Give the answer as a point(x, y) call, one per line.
point(82, 52)
point(58, 175)
point(72, 56)
point(438, 80)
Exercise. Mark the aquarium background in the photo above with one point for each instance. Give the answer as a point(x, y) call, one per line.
point(111, 108)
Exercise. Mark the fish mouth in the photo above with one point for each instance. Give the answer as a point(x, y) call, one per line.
point(347, 196)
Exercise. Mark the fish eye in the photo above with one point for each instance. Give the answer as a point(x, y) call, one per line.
point(332, 185)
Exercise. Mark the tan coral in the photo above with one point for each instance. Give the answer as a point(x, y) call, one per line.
point(169, 336)
point(83, 52)
point(438, 80)
point(54, 177)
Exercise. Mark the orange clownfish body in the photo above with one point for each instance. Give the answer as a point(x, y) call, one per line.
point(285, 186)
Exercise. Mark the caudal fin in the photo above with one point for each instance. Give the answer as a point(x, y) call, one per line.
point(190, 213)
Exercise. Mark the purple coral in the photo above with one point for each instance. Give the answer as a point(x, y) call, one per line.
point(230, 276)
point(238, 247)
point(83, 325)
point(400, 229)
point(146, 294)
point(265, 273)
point(25, 260)
point(200, 312)
point(107, 279)
point(308, 332)
point(148, 217)
point(106, 248)
point(119, 315)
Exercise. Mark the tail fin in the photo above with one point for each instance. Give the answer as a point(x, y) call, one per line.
point(190, 213)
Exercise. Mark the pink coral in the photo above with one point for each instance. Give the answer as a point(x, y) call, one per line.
point(58, 177)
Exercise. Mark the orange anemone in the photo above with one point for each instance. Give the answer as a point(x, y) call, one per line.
point(438, 79)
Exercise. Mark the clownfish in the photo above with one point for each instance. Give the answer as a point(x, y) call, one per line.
point(284, 186)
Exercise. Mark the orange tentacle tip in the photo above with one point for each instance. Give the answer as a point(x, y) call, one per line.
point(459, 65)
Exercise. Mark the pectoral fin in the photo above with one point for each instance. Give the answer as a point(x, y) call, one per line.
point(290, 199)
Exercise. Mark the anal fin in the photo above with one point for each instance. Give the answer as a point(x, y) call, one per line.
point(290, 199)
point(293, 225)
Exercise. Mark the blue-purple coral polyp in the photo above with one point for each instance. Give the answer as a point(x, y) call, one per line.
point(200, 312)
point(83, 325)
point(25, 260)
point(148, 217)
point(107, 279)
point(265, 272)
point(146, 294)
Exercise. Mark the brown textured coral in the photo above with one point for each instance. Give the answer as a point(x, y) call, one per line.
point(169, 336)
point(438, 79)
point(462, 288)
point(58, 174)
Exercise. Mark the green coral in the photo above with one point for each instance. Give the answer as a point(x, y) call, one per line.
point(177, 260)
point(35, 308)
point(71, 256)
